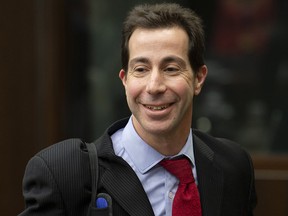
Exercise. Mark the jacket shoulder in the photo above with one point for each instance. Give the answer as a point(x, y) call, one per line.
point(217, 144)
point(63, 148)
point(226, 152)
point(68, 163)
point(66, 160)
point(235, 164)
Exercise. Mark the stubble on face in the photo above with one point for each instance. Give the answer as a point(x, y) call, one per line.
point(159, 85)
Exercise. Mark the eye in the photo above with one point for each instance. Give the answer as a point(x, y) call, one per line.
point(172, 69)
point(140, 69)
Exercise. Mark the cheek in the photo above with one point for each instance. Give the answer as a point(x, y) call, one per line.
point(183, 86)
point(132, 88)
point(186, 91)
point(190, 86)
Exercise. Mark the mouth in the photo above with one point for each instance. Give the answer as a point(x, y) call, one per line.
point(157, 108)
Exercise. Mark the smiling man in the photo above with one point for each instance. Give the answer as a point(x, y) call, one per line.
point(152, 163)
point(160, 86)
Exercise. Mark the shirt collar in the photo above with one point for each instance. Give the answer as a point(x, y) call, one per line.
point(144, 156)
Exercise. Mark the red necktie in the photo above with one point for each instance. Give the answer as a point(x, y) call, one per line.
point(186, 201)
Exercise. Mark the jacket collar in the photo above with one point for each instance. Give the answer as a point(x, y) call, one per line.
point(126, 189)
point(134, 199)
point(210, 177)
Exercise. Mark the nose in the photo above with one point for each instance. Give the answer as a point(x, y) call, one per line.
point(156, 83)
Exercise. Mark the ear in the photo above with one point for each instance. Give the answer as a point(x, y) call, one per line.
point(122, 76)
point(200, 78)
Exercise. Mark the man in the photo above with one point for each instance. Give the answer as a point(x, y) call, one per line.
point(162, 71)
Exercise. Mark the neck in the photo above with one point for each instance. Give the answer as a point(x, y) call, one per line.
point(168, 144)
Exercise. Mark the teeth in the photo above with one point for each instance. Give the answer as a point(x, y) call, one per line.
point(157, 107)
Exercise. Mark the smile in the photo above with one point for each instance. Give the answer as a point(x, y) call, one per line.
point(162, 107)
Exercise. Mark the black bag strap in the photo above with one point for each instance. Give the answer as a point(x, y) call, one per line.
point(93, 157)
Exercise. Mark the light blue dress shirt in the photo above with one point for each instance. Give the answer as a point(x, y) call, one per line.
point(159, 184)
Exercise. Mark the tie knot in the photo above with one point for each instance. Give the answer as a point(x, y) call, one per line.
point(181, 168)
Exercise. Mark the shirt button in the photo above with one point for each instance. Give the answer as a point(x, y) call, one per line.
point(171, 195)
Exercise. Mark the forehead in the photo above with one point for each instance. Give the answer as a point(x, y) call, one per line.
point(170, 41)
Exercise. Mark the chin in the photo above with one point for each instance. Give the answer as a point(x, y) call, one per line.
point(157, 128)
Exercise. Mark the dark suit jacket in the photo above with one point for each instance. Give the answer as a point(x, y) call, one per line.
point(57, 180)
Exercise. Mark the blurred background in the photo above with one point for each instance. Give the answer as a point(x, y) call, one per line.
point(59, 64)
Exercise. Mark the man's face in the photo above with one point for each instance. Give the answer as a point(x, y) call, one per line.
point(160, 84)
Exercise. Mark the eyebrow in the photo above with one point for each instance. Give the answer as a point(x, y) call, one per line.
point(139, 60)
point(173, 58)
point(166, 60)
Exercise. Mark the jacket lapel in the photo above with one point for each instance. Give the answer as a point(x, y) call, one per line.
point(127, 190)
point(119, 179)
point(124, 186)
point(210, 178)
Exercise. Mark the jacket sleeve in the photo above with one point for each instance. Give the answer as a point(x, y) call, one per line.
point(252, 202)
point(40, 191)
point(242, 159)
